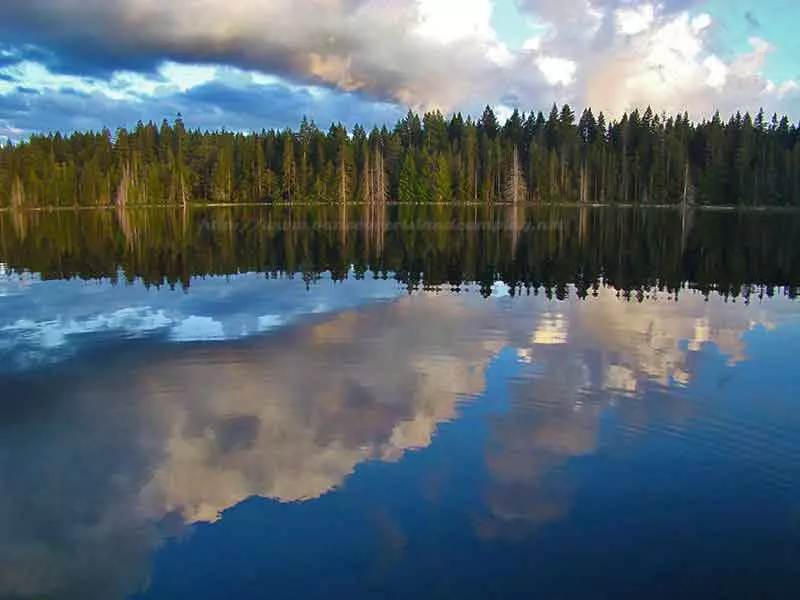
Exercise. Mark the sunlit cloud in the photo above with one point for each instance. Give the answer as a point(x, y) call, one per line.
point(352, 54)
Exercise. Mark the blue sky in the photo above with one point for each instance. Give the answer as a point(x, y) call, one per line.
point(79, 64)
point(773, 20)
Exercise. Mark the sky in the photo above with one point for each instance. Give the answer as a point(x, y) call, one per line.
point(251, 64)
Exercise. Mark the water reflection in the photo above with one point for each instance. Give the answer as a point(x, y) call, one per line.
point(182, 433)
point(43, 322)
point(105, 454)
point(316, 401)
point(583, 360)
point(530, 248)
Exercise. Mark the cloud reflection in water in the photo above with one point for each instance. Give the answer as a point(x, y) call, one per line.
point(123, 445)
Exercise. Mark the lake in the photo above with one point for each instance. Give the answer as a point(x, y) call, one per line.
point(429, 402)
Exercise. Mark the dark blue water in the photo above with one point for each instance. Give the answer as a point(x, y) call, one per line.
point(254, 438)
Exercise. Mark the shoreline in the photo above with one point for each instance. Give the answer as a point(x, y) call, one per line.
point(530, 205)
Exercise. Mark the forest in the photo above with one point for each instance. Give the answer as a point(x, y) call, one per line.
point(641, 159)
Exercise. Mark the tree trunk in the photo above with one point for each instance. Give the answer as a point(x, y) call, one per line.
point(17, 194)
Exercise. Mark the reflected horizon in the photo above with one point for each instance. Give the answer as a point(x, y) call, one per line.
point(531, 248)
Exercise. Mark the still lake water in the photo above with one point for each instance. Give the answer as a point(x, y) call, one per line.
point(570, 404)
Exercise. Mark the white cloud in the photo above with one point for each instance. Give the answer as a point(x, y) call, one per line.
point(701, 22)
point(500, 54)
point(185, 77)
point(788, 87)
point(532, 44)
point(123, 86)
point(610, 54)
point(717, 71)
point(447, 21)
point(668, 64)
point(635, 19)
point(557, 70)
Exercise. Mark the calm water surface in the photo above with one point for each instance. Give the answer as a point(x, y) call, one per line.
point(575, 409)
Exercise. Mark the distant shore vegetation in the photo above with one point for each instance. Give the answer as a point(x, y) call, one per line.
point(557, 157)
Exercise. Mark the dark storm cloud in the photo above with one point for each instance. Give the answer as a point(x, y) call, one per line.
point(49, 37)
point(275, 105)
point(68, 112)
point(12, 105)
point(365, 46)
point(258, 102)
point(237, 106)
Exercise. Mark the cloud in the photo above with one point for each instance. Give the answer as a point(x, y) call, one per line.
point(344, 56)
point(232, 98)
point(661, 54)
point(412, 53)
point(11, 55)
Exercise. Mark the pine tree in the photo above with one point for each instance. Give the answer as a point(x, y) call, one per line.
point(640, 158)
point(408, 189)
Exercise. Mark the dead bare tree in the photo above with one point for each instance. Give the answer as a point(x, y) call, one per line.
point(515, 189)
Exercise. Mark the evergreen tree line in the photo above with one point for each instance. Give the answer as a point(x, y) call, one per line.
point(642, 158)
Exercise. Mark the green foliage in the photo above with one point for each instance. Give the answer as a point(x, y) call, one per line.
point(644, 158)
point(409, 187)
